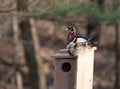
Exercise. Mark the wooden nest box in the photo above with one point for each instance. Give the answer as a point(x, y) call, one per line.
point(74, 72)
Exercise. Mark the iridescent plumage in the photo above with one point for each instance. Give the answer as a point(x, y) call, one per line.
point(75, 40)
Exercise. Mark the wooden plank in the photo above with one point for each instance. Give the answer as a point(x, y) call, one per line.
point(63, 55)
point(64, 80)
point(85, 63)
point(66, 55)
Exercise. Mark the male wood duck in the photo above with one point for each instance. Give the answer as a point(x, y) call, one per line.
point(74, 40)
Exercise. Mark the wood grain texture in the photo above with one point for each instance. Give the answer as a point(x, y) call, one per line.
point(64, 80)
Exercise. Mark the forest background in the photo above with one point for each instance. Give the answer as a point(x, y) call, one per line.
point(32, 30)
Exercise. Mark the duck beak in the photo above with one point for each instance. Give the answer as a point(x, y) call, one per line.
point(66, 29)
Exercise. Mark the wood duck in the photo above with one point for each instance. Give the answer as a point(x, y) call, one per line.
point(74, 40)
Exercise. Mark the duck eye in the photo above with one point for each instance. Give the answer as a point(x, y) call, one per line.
point(72, 30)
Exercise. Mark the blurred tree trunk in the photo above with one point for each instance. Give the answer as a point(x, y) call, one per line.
point(29, 51)
point(28, 43)
point(117, 48)
point(38, 58)
point(94, 26)
point(17, 52)
point(19, 80)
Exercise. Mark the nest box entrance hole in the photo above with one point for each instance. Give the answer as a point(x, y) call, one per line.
point(66, 67)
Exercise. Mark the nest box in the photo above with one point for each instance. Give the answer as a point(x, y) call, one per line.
point(74, 72)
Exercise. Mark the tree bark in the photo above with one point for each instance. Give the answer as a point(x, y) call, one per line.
point(29, 51)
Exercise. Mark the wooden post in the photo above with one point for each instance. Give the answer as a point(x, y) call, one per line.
point(85, 65)
point(74, 72)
